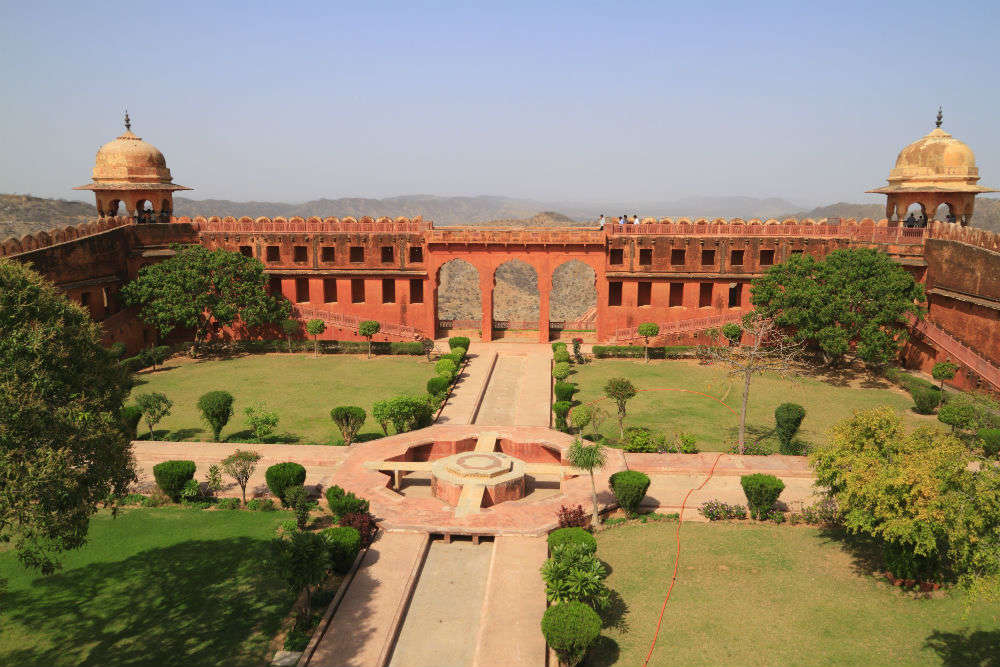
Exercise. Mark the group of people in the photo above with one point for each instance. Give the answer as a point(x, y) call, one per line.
point(622, 220)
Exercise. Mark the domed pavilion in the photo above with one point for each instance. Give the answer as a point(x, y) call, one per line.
point(933, 171)
point(132, 172)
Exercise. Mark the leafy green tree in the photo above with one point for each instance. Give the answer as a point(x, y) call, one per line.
point(911, 491)
point(380, 413)
point(581, 416)
point(315, 328)
point(240, 465)
point(216, 409)
point(407, 413)
point(302, 562)
point(261, 421)
point(198, 287)
point(590, 458)
point(648, 330)
point(63, 441)
point(733, 333)
point(155, 406)
point(367, 330)
point(853, 296)
point(620, 390)
point(427, 345)
point(290, 327)
point(960, 413)
point(349, 419)
point(944, 370)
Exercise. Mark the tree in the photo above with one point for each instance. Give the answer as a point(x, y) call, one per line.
point(261, 421)
point(315, 328)
point(198, 287)
point(917, 495)
point(367, 329)
point(216, 409)
point(63, 441)
point(856, 297)
point(290, 327)
point(944, 370)
point(427, 345)
point(349, 419)
point(648, 330)
point(768, 351)
point(301, 561)
point(405, 413)
point(598, 416)
point(240, 465)
point(581, 416)
point(590, 458)
point(620, 390)
point(733, 333)
point(155, 406)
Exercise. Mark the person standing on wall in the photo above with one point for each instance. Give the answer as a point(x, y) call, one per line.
point(600, 221)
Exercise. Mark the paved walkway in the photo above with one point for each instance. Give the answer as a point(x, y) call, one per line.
point(364, 626)
point(500, 401)
point(465, 397)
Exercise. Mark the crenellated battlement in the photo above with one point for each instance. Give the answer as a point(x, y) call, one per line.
point(43, 239)
point(979, 238)
point(245, 224)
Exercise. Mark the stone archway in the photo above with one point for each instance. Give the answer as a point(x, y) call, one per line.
point(516, 300)
point(573, 303)
point(459, 305)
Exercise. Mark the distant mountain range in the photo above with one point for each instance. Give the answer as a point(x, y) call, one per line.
point(20, 214)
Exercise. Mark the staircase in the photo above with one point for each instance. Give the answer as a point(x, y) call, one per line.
point(350, 323)
point(958, 351)
point(631, 334)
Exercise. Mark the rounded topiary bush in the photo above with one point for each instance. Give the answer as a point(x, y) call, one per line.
point(281, 476)
point(343, 544)
point(216, 409)
point(561, 370)
point(344, 502)
point(630, 488)
point(561, 409)
point(989, 438)
point(926, 399)
point(458, 341)
point(570, 628)
point(788, 417)
point(762, 492)
point(438, 385)
point(564, 391)
point(446, 366)
point(171, 476)
point(562, 536)
point(458, 353)
point(561, 356)
point(131, 415)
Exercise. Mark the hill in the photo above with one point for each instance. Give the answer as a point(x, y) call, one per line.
point(20, 214)
point(985, 216)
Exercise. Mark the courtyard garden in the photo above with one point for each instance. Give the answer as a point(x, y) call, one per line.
point(299, 388)
point(761, 594)
point(152, 586)
point(826, 400)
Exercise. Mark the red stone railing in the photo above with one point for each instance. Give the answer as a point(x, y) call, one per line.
point(350, 322)
point(517, 235)
point(43, 239)
point(282, 225)
point(681, 326)
point(967, 235)
point(867, 230)
point(958, 351)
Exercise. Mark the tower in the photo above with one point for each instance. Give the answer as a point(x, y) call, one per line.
point(132, 172)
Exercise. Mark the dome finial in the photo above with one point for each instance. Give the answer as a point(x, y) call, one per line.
point(128, 121)
point(939, 116)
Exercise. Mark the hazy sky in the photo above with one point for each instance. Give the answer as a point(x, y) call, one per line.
point(563, 101)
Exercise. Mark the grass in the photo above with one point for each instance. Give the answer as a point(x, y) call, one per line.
point(301, 388)
point(826, 401)
point(157, 587)
point(754, 594)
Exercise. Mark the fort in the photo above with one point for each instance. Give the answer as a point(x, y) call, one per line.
point(687, 275)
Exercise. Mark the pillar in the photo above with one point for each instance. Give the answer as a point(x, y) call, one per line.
point(486, 296)
point(544, 290)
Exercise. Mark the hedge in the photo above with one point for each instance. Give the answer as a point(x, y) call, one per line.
point(926, 399)
point(438, 385)
point(332, 347)
point(561, 356)
point(562, 536)
point(342, 503)
point(908, 382)
point(171, 476)
point(762, 492)
point(570, 628)
point(638, 351)
point(458, 341)
point(280, 476)
point(630, 488)
point(343, 544)
point(564, 391)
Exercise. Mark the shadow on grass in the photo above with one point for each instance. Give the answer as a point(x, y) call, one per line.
point(368, 437)
point(194, 603)
point(181, 434)
point(246, 437)
point(603, 653)
point(866, 553)
point(966, 649)
point(614, 616)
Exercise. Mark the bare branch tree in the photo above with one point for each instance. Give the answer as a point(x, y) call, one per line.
point(766, 350)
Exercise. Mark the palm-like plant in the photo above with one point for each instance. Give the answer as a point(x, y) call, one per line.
point(590, 458)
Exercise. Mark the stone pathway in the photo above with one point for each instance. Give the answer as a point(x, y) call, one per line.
point(500, 401)
point(465, 397)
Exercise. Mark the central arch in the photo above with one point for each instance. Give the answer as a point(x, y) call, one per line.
point(516, 301)
point(459, 306)
point(573, 303)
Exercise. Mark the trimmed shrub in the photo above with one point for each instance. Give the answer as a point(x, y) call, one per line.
point(716, 510)
point(561, 370)
point(989, 440)
point(343, 543)
point(640, 439)
point(570, 628)
point(637, 351)
point(926, 399)
point(581, 417)
point(131, 416)
point(281, 476)
point(630, 488)
point(558, 345)
point(261, 505)
point(171, 476)
point(907, 381)
point(564, 391)
point(562, 536)
point(458, 341)
point(788, 417)
point(364, 523)
point(438, 385)
point(349, 419)
point(561, 356)
point(297, 498)
point(216, 409)
point(458, 354)
point(733, 333)
point(762, 492)
point(342, 503)
point(446, 366)
point(228, 504)
point(561, 409)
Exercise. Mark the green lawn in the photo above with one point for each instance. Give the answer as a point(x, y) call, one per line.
point(165, 586)
point(715, 425)
point(776, 595)
point(301, 388)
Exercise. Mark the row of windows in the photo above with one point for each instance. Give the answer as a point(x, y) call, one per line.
point(678, 257)
point(328, 254)
point(357, 290)
point(644, 294)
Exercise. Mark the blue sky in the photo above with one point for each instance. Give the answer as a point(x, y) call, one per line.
point(561, 101)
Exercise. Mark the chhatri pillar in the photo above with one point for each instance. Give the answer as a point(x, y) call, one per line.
point(132, 172)
point(934, 170)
